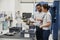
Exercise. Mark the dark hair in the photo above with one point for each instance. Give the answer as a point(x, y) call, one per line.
point(38, 5)
point(45, 6)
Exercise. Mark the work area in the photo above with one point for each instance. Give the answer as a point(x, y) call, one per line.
point(29, 20)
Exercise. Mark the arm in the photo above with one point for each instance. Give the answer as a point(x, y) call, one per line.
point(39, 20)
point(46, 25)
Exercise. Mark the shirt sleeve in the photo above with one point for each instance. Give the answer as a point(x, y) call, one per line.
point(34, 15)
point(48, 18)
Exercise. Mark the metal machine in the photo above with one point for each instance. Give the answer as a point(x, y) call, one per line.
point(56, 22)
point(56, 28)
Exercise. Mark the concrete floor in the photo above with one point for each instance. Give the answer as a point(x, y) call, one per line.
point(13, 39)
point(17, 37)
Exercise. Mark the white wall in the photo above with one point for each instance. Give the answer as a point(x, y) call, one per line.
point(36, 0)
point(17, 5)
point(44, 0)
point(7, 5)
point(23, 7)
point(27, 7)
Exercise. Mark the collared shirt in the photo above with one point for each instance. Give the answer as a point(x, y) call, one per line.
point(38, 15)
point(18, 17)
point(46, 19)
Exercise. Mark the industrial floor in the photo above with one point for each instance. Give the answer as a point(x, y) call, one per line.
point(18, 39)
point(15, 37)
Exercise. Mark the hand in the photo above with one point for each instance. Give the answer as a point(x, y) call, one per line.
point(41, 27)
point(38, 19)
point(35, 19)
point(31, 24)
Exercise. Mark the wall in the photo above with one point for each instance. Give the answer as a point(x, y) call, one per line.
point(27, 7)
point(8, 6)
point(36, 0)
point(17, 5)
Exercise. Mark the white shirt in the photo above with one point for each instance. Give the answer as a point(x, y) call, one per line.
point(38, 15)
point(18, 17)
point(46, 19)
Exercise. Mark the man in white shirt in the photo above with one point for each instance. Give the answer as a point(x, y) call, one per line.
point(38, 17)
point(18, 16)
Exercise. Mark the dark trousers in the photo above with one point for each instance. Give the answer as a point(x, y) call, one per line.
point(39, 33)
point(46, 34)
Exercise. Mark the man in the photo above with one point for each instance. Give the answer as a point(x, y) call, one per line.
point(38, 17)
